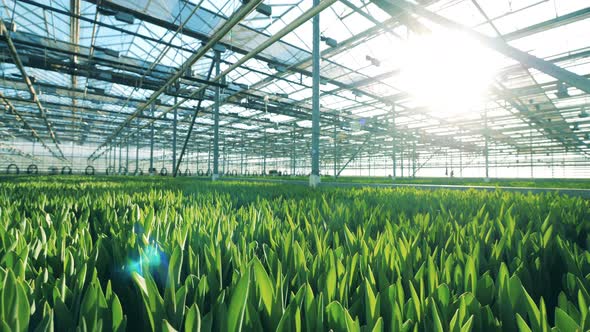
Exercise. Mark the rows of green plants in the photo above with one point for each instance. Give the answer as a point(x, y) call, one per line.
point(497, 182)
point(503, 182)
point(161, 254)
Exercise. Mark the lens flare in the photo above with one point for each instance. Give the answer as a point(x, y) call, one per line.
point(447, 72)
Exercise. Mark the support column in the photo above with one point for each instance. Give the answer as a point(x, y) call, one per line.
point(402, 155)
point(209, 156)
point(414, 157)
point(461, 156)
point(242, 156)
point(314, 178)
point(174, 122)
point(127, 156)
point(120, 157)
point(393, 142)
point(369, 163)
point(137, 156)
point(152, 145)
point(293, 170)
point(531, 147)
point(216, 121)
point(487, 178)
point(264, 154)
point(224, 161)
point(335, 148)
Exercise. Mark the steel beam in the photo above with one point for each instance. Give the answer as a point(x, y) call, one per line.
point(20, 118)
point(314, 179)
point(356, 153)
point(14, 54)
point(151, 169)
point(562, 20)
point(393, 142)
point(215, 174)
point(216, 37)
point(190, 130)
point(174, 124)
point(486, 146)
point(499, 45)
point(274, 38)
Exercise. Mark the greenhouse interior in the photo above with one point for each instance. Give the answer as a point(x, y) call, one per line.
point(289, 165)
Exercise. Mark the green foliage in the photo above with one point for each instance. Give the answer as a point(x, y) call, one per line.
point(185, 255)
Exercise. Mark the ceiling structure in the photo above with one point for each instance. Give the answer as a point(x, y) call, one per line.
point(101, 72)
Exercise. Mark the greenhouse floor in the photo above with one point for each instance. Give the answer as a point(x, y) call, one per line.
point(158, 253)
point(559, 186)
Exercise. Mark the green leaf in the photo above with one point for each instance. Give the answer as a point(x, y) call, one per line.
point(547, 236)
point(118, 319)
point(416, 301)
point(154, 304)
point(432, 276)
point(192, 321)
point(331, 283)
point(370, 305)
point(485, 290)
point(166, 327)
point(175, 266)
point(455, 325)
point(14, 303)
point(237, 306)
point(532, 310)
point(264, 285)
point(378, 325)
point(468, 324)
point(564, 322)
point(46, 323)
point(339, 319)
point(64, 320)
point(437, 324)
point(522, 325)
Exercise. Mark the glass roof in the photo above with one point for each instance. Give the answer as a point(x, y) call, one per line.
point(93, 68)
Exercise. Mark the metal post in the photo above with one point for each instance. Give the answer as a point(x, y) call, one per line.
point(209, 156)
point(120, 157)
point(264, 155)
point(224, 161)
point(293, 170)
point(314, 179)
point(216, 121)
point(552, 165)
point(401, 155)
point(72, 154)
point(414, 157)
point(127, 156)
point(242, 156)
point(531, 154)
point(461, 157)
point(335, 149)
point(487, 178)
point(369, 163)
point(152, 145)
point(137, 156)
point(174, 122)
point(393, 142)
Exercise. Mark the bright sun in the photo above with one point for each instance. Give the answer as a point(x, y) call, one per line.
point(447, 72)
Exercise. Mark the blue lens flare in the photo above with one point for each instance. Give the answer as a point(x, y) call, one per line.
point(151, 256)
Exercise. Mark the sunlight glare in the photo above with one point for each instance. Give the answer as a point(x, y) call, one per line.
point(447, 72)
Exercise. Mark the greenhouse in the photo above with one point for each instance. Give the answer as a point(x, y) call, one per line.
point(289, 165)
